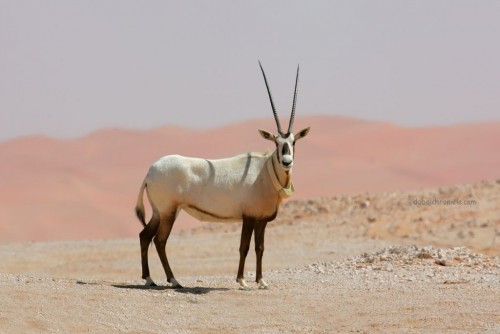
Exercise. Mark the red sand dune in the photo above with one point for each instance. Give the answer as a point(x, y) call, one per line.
point(86, 188)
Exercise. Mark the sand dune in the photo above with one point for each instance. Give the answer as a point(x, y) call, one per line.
point(86, 188)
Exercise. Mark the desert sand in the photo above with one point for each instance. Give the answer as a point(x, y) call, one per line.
point(422, 261)
point(85, 188)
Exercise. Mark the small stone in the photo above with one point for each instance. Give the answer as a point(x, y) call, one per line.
point(424, 255)
point(364, 204)
point(441, 262)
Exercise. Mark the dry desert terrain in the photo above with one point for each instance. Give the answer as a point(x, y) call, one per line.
point(421, 261)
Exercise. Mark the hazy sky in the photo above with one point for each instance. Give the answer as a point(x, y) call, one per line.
point(70, 67)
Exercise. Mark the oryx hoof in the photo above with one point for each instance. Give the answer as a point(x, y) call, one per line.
point(262, 284)
point(243, 285)
point(175, 284)
point(150, 282)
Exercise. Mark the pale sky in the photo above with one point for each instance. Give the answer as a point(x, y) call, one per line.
point(71, 67)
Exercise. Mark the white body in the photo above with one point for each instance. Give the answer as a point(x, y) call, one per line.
point(223, 190)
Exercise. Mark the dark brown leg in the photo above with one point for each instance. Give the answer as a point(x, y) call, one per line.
point(145, 238)
point(166, 224)
point(246, 236)
point(260, 228)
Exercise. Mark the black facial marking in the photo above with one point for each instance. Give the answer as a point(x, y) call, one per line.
point(286, 149)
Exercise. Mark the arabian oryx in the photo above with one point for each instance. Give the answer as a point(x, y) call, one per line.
point(248, 187)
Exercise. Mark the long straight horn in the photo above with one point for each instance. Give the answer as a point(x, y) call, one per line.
point(292, 116)
point(271, 99)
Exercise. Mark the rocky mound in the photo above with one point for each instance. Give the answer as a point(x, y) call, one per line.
point(410, 263)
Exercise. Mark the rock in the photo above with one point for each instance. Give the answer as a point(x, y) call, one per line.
point(425, 255)
point(441, 262)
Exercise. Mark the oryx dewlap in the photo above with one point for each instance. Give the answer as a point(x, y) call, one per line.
point(248, 187)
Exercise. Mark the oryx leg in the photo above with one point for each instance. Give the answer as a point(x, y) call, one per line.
point(259, 231)
point(145, 238)
point(164, 229)
point(246, 236)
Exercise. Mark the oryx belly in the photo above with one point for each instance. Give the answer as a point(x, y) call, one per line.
point(209, 216)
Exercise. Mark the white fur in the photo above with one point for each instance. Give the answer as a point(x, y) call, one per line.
point(262, 284)
point(149, 281)
point(243, 284)
point(174, 282)
point(222, 188)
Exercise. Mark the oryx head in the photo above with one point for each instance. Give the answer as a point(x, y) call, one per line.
point(285, 141)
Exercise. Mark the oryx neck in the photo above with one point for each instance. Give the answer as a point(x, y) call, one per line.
point(284, 176)
point(281, 179)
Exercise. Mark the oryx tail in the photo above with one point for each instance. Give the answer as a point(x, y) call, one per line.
point(139, 207)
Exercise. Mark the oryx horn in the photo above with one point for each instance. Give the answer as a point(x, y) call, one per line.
point(292, 116)
point(271, 99)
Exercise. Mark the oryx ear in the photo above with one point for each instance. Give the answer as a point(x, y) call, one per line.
point(266, 135)
point(302, 133)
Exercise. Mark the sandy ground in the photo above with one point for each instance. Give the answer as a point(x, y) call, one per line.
point(362, 264)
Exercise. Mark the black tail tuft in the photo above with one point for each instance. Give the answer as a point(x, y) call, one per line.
point(140, 214)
